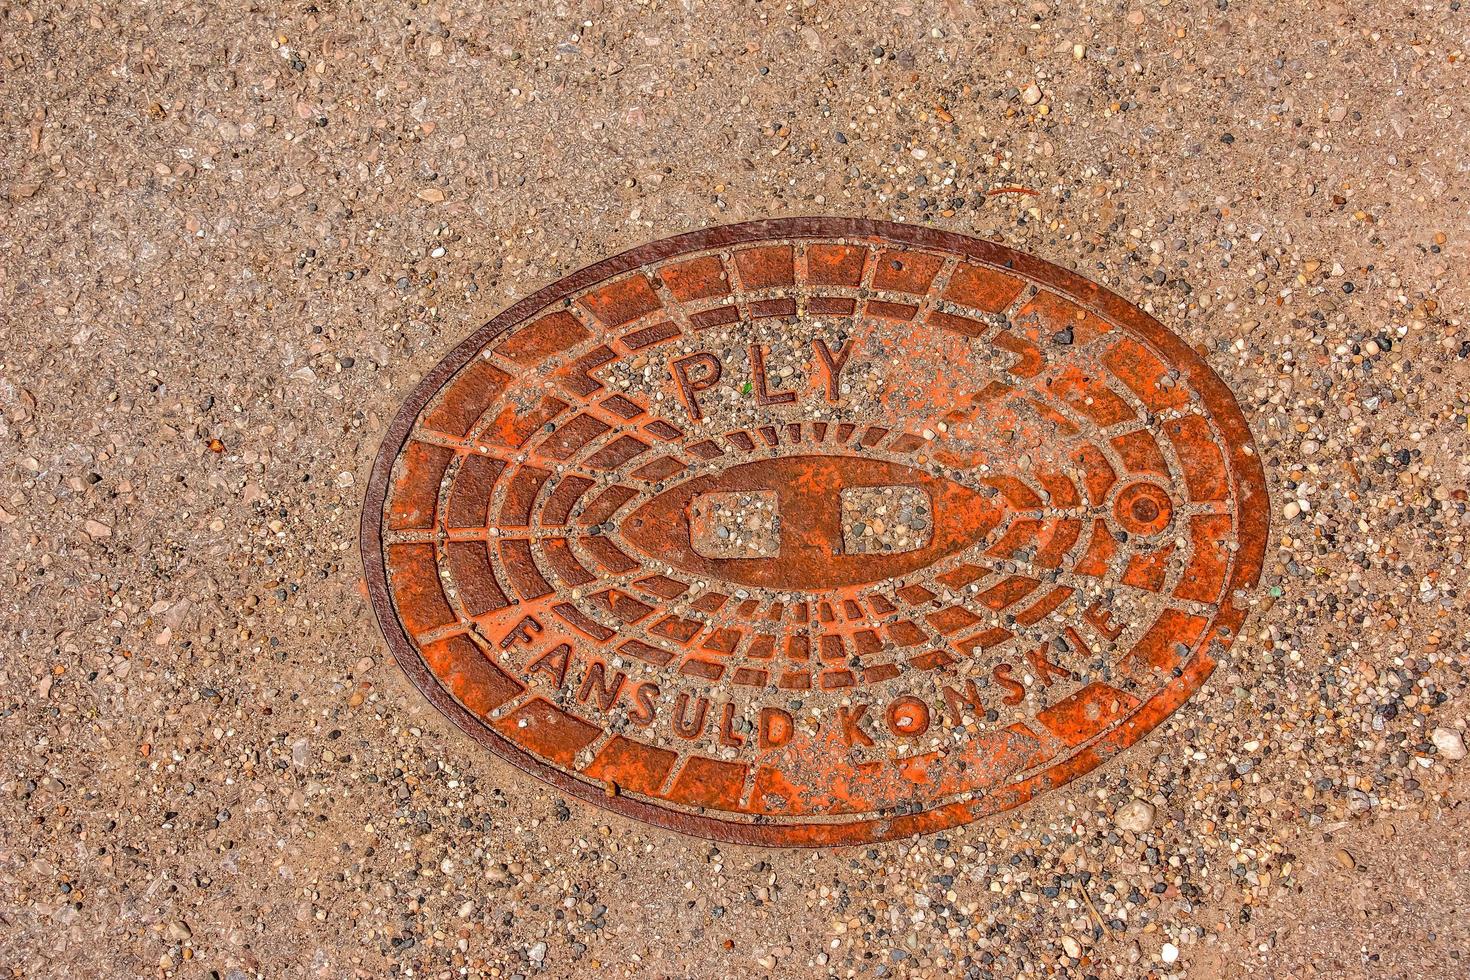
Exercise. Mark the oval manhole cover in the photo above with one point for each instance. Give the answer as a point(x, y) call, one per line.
point(814, 531)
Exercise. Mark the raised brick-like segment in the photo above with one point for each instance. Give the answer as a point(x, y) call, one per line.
point(998, 524)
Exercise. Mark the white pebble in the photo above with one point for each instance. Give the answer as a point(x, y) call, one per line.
point(1135, 816)
point(1449, 743)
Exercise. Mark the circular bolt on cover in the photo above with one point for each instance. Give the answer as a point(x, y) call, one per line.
point(814, 531)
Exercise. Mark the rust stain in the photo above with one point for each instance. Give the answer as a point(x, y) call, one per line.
point(814, 531)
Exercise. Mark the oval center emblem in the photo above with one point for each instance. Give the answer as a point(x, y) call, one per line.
point(814, 531)
point(798, 522)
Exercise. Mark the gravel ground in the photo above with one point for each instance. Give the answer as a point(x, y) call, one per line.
point(232, 238)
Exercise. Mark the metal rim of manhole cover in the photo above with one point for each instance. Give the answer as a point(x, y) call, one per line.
point(814, 531)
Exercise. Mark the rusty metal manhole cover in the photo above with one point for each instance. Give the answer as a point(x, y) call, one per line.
point(814, 531)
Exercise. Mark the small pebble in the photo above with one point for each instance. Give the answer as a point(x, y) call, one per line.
point(1449, 743)
point(1135, 816)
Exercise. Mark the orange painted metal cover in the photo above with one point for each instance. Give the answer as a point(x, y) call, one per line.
point(814, 531)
